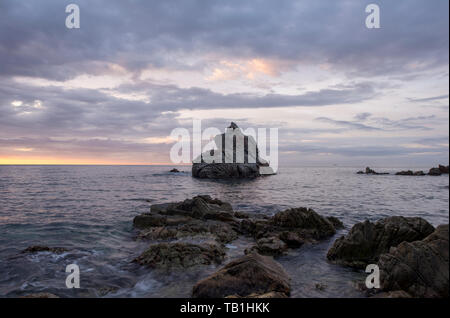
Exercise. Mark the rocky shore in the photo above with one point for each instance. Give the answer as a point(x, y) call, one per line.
point(437, 171)
point(411, 253)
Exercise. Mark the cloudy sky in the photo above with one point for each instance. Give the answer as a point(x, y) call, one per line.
point(112, 91)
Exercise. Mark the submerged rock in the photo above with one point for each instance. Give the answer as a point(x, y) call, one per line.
point(366, 241)
point(180, 255)
point(420, 268)
point(241, 161)
point(40, 248)
point(249, 275)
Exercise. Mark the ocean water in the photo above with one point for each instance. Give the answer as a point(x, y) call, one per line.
point(89, 210)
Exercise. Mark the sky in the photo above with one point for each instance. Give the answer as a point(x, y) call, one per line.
point(112, 91)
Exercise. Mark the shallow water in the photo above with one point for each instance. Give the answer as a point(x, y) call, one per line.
point(89, 209)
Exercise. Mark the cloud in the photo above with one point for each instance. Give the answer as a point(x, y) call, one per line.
point(427, 99)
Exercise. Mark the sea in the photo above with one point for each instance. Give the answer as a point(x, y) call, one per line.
point(90, 209)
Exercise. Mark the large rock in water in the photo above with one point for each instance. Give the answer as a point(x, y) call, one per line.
point(419, 268)
point(249, 275)
point(180, 255)
point(290, 228)
point(241, 161)
point(199, 216)
point(366, 241)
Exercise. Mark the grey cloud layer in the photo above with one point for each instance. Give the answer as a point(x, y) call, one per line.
point(34, 41)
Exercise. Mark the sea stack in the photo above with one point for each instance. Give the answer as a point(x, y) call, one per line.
point(236, 156)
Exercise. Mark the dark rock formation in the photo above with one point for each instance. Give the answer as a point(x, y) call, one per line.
point(225, 170)
point(438, 171)
point(206, 219)
point(174, 170)
point(306, 220)
point(444, 169)
point(420, 268)
point(435, 172)
point(366, 241)
point(290, 228)
point(40, 248)
point(223, 165)
point(249, 275)
point(410, 173)
point(271, 246)
point(371, 171)
point(199, 216)
point(336, 222)
point(180, 255)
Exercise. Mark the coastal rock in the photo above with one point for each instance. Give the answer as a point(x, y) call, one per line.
point(180, 255)
point(420, 268)
point(40, 248)
point(271, 246)
point(443, 169)
point(199, 216)
point(336, 222)
point(371, 171)
point(251, 274)
point(307, 220)
point(405, 173)
point(221, 164)
point(366, 241)
point(410, 173)
point(174, 170)
point(435, 172)
point(292, 239)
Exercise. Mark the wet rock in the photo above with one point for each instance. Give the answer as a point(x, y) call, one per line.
point(307, 220)
point(336, 222)
point(252, 274)
point(435, 172)
point(292, 239)
point(271, 246)
point(221, 164)
point(371, 171)
point(174, 170)
point(219, 231)
point(320, 286)
point(40, 295)
point(40, 248)
point(241, 215)
point(405, 173)
point(180, 255)
point(199, 216)
point(419, 268)
point(443, 169)
point(410, 173)
point(366, 241)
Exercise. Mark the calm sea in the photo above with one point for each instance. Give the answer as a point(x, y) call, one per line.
point(89, 209)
